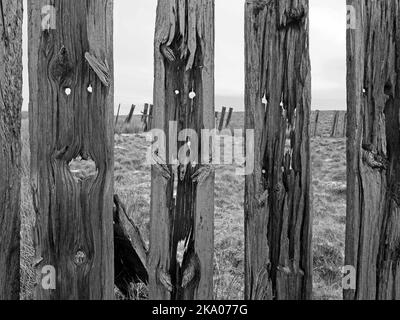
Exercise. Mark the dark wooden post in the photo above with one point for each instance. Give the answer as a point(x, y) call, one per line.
point(373, 146)
point(116, 120)
point(10, 148)
point(144, 116)
point(222, 119)
point(72, 119)
point(278, 220)
point(183, 92)
point(316, 123)
point(228, 120)
point(335, 124)
point(130, 115)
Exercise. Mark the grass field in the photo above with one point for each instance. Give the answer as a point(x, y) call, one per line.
point(132, 184)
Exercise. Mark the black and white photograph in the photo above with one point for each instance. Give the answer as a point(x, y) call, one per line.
point(172, 152)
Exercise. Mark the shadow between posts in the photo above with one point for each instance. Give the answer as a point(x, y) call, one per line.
point(130, 251)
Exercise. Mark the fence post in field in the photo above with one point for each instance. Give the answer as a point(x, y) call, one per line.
point(373, 144)
point(182, 209)
point(278, 220)
point(222, 119)
point(150, 119)
point(335, 124)
point(316, 123)
point(72, 120)
point(130, 115)
point(116, 120)
point(10, 150)
point(144, 116)
point(344, 125)
point(228, 120)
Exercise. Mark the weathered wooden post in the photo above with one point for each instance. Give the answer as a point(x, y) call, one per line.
point(10, 148)
point(116, 120)
point(228, 120)
point(222, 119)
point(130, 115)
point(373, 147)
point(144, 116)
point(316, 123)
point(335, 124)
point(344, 125)
point(182, 213)
point(72, 119)
point(278, 219)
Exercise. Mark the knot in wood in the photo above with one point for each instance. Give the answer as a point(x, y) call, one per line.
point(279, 189)
point(373, 160)
point(61, 68)
point(80, 258)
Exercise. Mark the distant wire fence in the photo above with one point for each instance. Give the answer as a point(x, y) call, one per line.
point(329, 124)
point(223, 119)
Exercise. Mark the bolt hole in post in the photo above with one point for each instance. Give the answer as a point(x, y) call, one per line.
point(68, 91)
point(90, 89)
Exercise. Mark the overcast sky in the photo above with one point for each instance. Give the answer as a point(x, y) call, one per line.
point(134, 32)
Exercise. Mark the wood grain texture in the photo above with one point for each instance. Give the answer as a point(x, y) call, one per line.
point(74, 218)
point(373, 132)
point(10, 148)
point(184, 61)
point(278, 215)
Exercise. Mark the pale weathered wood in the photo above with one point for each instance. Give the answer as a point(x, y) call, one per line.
point(72, 116)
point(278, 217)
point(184, 65)
point(373, 196)
point(10, 148)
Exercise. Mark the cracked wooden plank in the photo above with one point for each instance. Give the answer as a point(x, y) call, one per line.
point(74, 227)
point(373, 212)
point(10, 148)
point(183, 92)
point(278, 215)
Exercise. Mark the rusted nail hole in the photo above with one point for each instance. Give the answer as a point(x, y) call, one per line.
point(80, 258)
point(68, 91)
point(90, 88)
point(192, 95)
